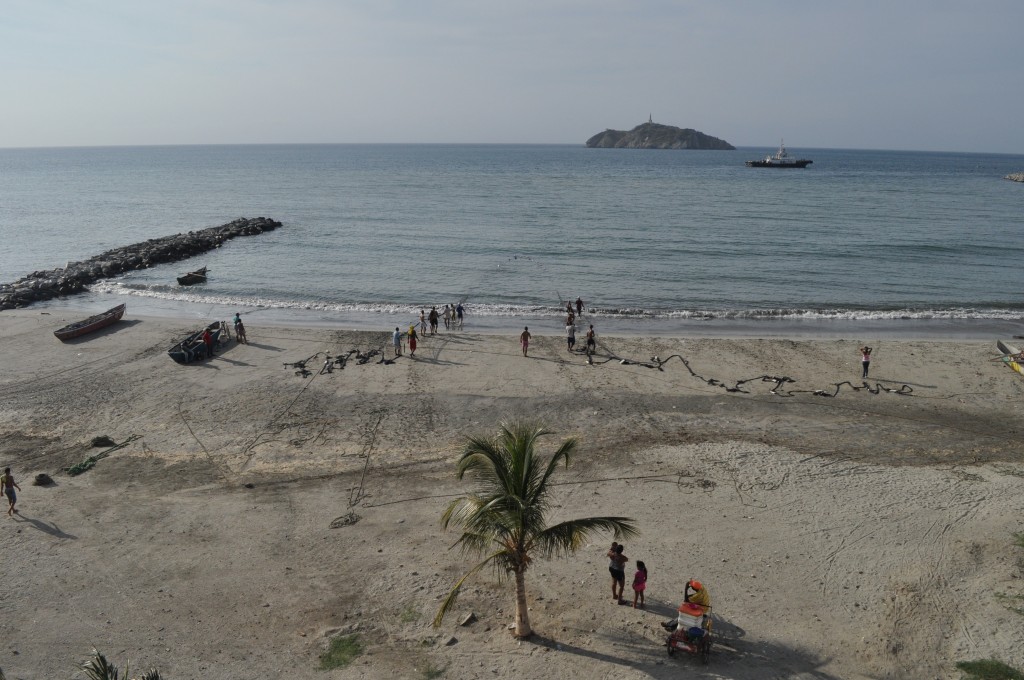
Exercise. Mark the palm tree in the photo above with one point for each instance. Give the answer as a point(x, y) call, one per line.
point(98, 668)
point(504, 519)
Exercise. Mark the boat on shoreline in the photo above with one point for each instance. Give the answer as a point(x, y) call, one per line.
point(192, 348)
point(93, 323)
point(1012, 356)
point(780, 159)
point(198, 276)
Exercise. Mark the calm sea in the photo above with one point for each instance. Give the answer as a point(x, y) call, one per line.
point(653, 241)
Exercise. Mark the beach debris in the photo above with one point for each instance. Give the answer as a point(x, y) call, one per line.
point(103, 440)
point(469, 618)
point(345, 520)
point(43, 479)
point(91, 461)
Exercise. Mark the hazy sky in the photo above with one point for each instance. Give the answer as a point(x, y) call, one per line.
point(891, 74)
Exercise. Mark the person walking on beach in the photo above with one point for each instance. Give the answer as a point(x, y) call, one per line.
point(570, 335)
point(639, 583)
point(447, 316)
point(865, 360)
point(579, 306)
point(240, 329)
point(591, 340)
point(617, 568)
point(396, 340)
point(7, 486)
point(412, 340)
point(459, 311)
point(524, 339)
point(423, 323)
point(432, 317)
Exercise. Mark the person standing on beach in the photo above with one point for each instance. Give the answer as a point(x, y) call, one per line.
point(447, 316)
point(412, 340)
point(524, 339)
point(459, 311)
point(396, 340)
point(617, 568)
point(423, 322)
point(240, 329)
point(7, 486)
point(570, 335)
point(208, 342)
point(579, 306)
point(591, 340)
point(865, 360)
point(639, 583)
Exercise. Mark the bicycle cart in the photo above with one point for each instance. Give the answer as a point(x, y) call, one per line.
point(690, 631)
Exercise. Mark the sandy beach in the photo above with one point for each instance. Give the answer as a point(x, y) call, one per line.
point(844, 529)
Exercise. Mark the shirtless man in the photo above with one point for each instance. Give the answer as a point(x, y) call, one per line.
point(524, 339)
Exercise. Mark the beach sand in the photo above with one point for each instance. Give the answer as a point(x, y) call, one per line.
point(256, 513)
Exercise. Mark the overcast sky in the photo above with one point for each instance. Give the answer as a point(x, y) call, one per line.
point(892, 74)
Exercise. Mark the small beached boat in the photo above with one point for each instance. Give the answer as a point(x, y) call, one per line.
point(93, 323)
point(781, 159)
point(1012, 356)
point(192, 348)
point(198, 276)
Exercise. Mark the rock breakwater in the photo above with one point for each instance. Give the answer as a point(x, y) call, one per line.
point(52, 283)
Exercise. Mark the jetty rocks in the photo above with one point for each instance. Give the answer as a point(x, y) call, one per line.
point(652, 135)
point(46, 285)
point(1015, 177)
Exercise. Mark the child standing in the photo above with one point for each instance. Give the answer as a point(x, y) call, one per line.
point(639, 583)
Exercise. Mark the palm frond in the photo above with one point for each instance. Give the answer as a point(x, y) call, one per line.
point(565, 538)
point(98, 668)
point(453, 594)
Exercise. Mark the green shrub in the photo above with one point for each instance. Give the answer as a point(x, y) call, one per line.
point(989, 669)
point(341, 652)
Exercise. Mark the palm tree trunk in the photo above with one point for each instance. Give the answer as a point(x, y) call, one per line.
point(523, 629)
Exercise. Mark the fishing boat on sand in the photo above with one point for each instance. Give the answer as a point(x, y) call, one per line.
point(1012, 356)
point(192, 348)
point(781, 159)
point(93, 323)
point(198, 276)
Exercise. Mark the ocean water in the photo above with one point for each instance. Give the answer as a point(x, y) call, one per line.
point(653, 241)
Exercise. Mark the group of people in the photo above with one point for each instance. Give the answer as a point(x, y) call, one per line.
point(694, 591)
point(617, 568)
point(452, 315)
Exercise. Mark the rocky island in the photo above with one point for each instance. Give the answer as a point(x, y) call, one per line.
point(651, 135)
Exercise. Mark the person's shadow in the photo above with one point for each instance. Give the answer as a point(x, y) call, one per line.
point(50, 528)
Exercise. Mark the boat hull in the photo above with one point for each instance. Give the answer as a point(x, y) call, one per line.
point(786, 164)
point(193, 348)
point(90, 325)
point(192, 278)
point(1011, 356)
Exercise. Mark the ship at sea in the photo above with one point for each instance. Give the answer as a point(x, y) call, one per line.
point(780, 159)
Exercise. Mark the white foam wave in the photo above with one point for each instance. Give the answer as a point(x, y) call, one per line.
point(196, 296)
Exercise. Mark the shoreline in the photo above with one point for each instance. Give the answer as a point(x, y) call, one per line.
point(893, 329)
